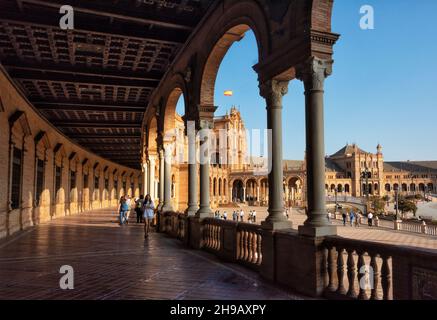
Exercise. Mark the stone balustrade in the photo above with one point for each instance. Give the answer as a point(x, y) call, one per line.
point(333, 267)
point(363, 270)
point(398, 225)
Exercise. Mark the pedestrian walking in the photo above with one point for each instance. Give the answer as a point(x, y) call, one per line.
point(122, 209)
point(254, 216)
point(357, 219)
point(370, 219)
point(139, 208)
point(241, 215)
point(148, 214)
point(344, 216)
point(234, 216)
point(351, 217)
point(225, 215)
point(127, 213)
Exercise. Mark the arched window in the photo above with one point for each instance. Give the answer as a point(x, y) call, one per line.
point(214, 192)
point(347, 188)
point(387, 187)
point(220, 187)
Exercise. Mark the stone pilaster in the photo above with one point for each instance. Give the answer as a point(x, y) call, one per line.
point(161, 179)
point(152, 163)
point(192, 173)
point(273, 92)
point(205, 208)
point(167, 177)
point(313, 73)
point(145, 189)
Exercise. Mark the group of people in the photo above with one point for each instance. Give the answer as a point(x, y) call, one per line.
point(237, 215)
point(144, 209)
point(355, 218)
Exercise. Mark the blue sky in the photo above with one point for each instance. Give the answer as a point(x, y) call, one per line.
point(383, 88)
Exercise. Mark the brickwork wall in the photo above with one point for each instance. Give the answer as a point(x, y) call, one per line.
point(67, 200)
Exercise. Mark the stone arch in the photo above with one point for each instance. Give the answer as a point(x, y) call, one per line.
point(214, 187)
point(239, 17)
point(237, 190)
point(171, 98)
point(152, 136)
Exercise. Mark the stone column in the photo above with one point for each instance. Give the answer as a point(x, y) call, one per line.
point(152, 162)
point(313, 74)
point(145, 179)
point(192, 169)
point(205, 208)
point(167, 178)
point(273, 91)
point(161, 179)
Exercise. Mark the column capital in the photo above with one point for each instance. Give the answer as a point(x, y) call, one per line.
point(273, 91)
point(313, 73)
point(206, 124)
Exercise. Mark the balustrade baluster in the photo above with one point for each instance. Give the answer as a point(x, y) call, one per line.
point(386, 279)
point(238, 244)
point(351, 273)
point(249, 246)
point(246, 251)
point(362, 276)
point(332, 265)
point(340, 272)
point(259, 240)
point(374, 265)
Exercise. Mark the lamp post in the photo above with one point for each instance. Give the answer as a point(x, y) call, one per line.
point(397, 202)
point(365, 177)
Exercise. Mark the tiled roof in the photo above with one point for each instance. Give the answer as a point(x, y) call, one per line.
point(412, 166)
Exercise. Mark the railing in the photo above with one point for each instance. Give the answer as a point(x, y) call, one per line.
point(349, 199)
point(412, 227)
point(249, 244)
point(212, 234)
point(350, 269)
point(238, 242)
point(367, 271)
point(406, 226)
point(174, 224)
point(431, 229)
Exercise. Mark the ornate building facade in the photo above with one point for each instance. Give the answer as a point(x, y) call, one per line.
point(237, 177)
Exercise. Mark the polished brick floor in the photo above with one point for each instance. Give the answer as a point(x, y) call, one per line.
point(112, 262)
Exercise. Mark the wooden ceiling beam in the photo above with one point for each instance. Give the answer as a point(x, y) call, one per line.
point(14, 64)
point(51, 22)
point(115, 11)
point(88, 80)
point(103, 124)
point(88, 107)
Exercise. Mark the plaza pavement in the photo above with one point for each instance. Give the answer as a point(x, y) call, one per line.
point(381, 235)
point(112, 262)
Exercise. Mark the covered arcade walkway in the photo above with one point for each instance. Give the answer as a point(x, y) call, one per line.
point(110, 262)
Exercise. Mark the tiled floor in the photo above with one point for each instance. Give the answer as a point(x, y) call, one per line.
point(112, 262)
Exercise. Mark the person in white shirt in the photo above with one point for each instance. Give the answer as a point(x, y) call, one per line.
point(370, 219)
point(148, 214)
point(128, 202)
point(242, 215)
point(225, 215)
point(254, 216)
